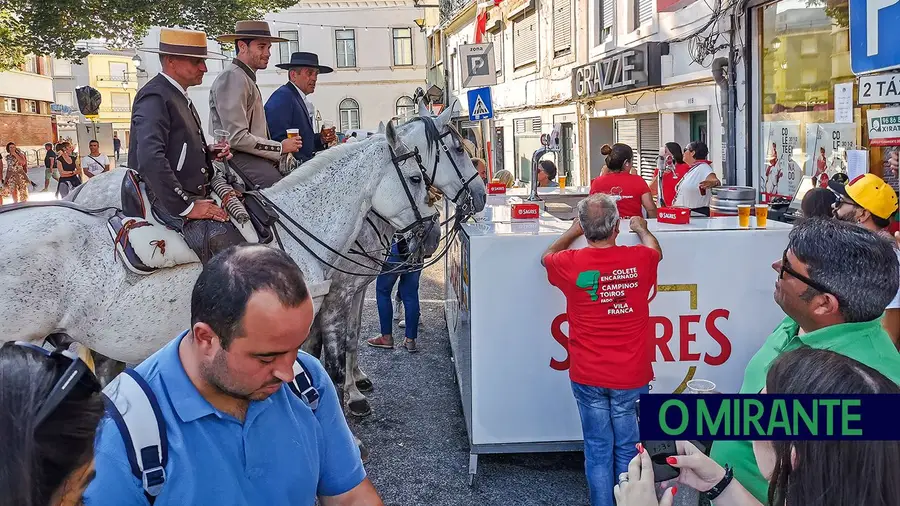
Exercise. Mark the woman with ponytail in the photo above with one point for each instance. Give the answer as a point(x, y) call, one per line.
point(629, 190)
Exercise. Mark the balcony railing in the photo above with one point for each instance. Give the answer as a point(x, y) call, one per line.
point(116, 109)
point(451, 7)
point(117, 78)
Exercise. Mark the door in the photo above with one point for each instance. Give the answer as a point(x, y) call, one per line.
point(699, 127)
point(567, 154)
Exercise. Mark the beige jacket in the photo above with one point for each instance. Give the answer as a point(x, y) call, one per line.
point(236, 106)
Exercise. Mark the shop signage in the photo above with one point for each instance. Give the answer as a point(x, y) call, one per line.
point(627, 70)
point(826, 149)
point(879, 89)
point(874, 37)
point(781, 173)
point(479, 66)
point(884, 127)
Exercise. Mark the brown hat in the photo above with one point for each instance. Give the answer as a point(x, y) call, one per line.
point(177, 42)
point(250, 30)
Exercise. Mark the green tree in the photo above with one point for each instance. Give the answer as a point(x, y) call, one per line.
point(53, 27)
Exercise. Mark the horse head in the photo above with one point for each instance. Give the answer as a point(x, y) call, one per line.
point(443, 158)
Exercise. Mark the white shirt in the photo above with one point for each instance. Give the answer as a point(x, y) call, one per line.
point(190, 206)
point(90, 164)
point(688, 189)
point(310, 108)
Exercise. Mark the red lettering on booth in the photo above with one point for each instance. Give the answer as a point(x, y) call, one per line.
point(562, 339)
point(718, 336)
point(662, 341)
point(687, 337)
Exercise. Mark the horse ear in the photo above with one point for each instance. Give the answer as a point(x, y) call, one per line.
point(392, 137)
point(444, 118)
point(381, 127)
point(423, 109)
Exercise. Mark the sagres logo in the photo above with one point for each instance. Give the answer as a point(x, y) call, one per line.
point(676, 327)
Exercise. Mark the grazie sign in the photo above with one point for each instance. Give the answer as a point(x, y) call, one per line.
point(631, 69)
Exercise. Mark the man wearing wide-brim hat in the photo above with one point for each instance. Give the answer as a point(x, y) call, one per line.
point(236, 106)
point(168, 149)
point(290, 108)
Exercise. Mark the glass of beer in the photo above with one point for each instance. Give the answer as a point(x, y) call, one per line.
point(221, 138)
point(762, 215)
point(562, 182)
point(293, 132)
point(744, 215)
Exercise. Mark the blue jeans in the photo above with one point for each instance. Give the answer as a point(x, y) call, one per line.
point(610, 428)
point(409, 294)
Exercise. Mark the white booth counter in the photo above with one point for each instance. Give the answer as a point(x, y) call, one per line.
point(712, 310)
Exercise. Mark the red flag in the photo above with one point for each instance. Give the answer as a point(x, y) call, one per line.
point(480, 25)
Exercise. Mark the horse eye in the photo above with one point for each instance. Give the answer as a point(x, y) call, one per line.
point(416, 179)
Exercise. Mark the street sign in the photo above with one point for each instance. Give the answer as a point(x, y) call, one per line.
point(874, 37)
point(480, 106)
point(478, 65)
point(879, 89)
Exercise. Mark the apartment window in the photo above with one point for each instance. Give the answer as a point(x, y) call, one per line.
point(434, 53)
point(345, 41)
point(406, 108)
point(118, 71)
point(525, 40)
point(402, 46)
point(562, 27)
point(643, 12)
point(62, 68)
point(32, 106)
point(31, 64)
point(121, 102)
point(291, 46)
point(497, 39)
point(808, 76)
point(11, 104)
point(349, 112)
point(64, 98)
point(808, 46)
point(605, 23)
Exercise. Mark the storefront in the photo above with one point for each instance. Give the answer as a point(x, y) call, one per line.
point(808, 112)
point(626, 97)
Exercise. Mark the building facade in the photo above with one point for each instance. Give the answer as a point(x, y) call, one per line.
point(25, 116)
point(376, 49)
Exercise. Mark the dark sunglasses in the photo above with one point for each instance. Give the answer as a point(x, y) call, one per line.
point(786, 267)
point(76, 380)
point(841, 201)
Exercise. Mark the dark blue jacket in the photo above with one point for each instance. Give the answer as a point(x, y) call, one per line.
point(286, 109)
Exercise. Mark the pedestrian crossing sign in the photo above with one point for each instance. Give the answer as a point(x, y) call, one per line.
point(480, 106)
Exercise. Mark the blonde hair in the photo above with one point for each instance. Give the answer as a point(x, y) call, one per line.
point(505, 177)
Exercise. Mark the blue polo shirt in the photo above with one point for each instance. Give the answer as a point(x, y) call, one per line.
point(283, 453)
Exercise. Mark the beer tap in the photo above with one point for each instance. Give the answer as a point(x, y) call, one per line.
point(550, 144)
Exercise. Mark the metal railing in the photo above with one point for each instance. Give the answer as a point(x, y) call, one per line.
point(116, 109)
point(451, 7)
point(117, 78)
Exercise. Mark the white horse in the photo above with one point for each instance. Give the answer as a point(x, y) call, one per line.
point(72, 284)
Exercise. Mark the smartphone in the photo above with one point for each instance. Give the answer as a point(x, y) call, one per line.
point(659, 451)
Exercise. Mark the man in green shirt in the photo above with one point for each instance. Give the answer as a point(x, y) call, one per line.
point(834, 281)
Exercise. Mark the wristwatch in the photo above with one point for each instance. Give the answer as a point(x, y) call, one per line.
point(718, 488)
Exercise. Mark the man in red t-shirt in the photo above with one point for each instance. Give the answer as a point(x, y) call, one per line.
point(607, 288)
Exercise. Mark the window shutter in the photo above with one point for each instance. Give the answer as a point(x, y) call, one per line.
point(519, 126)
point(627, 132)
point(527, 125)
point(525, 40)
point(649, 147)
point(607, 17)
point(536, 125)
point(645, 11)
point(562, 27)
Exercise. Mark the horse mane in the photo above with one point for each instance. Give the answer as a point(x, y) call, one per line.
point(319, 162)
point(431, 132)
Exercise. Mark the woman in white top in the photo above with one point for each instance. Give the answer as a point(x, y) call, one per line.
point(693, 189)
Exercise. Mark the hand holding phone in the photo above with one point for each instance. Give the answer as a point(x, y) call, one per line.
point(659, 451)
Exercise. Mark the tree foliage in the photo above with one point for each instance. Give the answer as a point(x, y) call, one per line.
point(53, 27)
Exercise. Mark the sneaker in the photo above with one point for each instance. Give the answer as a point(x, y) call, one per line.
point(410, 345)
point(402, 324)
point(398, 310)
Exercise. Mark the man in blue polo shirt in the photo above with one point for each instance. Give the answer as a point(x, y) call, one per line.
point(237, 435)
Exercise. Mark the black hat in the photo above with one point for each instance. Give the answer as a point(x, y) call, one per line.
point(304, 59)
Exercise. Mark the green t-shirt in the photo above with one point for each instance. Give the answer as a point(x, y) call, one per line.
point(865, 342)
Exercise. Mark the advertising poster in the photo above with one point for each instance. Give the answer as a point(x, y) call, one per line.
point(826, 149)
point(781, 173)
point(884, 127)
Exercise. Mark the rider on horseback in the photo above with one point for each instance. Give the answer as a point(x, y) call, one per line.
point(169, 151)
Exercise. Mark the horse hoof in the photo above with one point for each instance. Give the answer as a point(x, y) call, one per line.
point(365, 385)
point(360, 408)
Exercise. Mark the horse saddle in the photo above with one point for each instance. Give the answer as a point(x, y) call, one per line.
point(147, 240)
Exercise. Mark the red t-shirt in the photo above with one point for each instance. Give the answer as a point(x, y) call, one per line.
point(670, 181)
point(607, 292)
point(627, 189)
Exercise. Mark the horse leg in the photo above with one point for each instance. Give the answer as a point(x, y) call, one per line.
point(357, 403)
point(313, 343)
point(362, 382)
point(332, 330)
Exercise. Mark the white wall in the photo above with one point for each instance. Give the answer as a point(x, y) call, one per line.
point(375, 84)
point(16, 84)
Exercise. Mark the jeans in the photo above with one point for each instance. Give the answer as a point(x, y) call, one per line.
point(610, 428)
point(408, 291)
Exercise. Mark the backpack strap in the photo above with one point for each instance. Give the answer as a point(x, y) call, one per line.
point(132, 405)
point(302, 386)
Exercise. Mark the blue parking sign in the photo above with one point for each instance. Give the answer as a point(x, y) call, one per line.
point(874, 35)
point(480, 106)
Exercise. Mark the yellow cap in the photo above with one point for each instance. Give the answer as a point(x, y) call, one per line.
point(873, 195)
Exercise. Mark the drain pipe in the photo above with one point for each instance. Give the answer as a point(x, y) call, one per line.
point(722, 74)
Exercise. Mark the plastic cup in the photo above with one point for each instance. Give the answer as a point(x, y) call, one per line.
point(744, 215)
point(293, 132)
point(762, 215)
point(327, 124)
point(562, 182)
point(701, 386)
point(221, 136)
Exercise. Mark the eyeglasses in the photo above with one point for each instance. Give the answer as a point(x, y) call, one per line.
point(842, 201)
point(77, 380)
point(786, 267)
